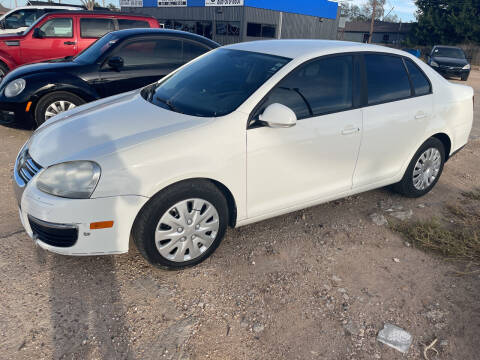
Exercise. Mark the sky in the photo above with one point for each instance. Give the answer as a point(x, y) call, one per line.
point(404, 9)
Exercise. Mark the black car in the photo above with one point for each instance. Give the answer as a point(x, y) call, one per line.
point(449, 61)
point(118, 62)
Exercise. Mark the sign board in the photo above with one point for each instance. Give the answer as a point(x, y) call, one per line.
point(131, 3)
point(172, 3)
point(224, 2)
point(341, 23)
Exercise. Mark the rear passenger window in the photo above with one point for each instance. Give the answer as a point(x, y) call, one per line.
point(320, 87)
point(131, 24)
point(95, 27)
point(420, 83)
point(387, 79)
point(192, 50)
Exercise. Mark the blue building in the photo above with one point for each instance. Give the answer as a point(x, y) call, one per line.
point(232, 21)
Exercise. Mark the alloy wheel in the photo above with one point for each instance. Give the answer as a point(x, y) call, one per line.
point(58, 107)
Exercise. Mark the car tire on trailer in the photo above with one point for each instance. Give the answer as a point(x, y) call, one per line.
point(55, 103)
point(424, 170)
point(182, 225)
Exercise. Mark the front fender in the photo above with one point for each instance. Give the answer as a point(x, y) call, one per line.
point(42, 84)
point(8, 60)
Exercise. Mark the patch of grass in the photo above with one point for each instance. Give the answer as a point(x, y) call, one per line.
point(454, 243)
point(472, 195)
point(458, 238)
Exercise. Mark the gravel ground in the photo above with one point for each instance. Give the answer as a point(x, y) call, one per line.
point(315, 284)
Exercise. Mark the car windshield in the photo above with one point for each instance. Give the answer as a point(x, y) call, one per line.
point(21, 18)
point(455, 53)
point(97, 49)
point(215, 84)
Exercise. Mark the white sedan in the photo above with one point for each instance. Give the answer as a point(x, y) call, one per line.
point(244, 133)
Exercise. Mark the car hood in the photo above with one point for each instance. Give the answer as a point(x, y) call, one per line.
point(26, 70)
point(446, 61)
point(98, 129)
point(11, 37)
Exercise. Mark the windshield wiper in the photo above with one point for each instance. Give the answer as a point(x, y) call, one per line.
point(169, 103)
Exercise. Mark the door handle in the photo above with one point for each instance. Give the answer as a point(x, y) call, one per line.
point(350, 130)
point(421, 116)
point(69, 42)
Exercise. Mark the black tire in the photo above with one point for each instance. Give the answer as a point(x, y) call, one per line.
point(465, 77)
point(406, 186)
point(144, 228)
point(3, 70)
point(46, 100)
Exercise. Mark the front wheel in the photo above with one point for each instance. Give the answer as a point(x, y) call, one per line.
point(182, 225)
point(424, 170)
point(54, 104)
point(464, 77)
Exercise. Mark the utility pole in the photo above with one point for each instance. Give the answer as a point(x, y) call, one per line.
point(280, 25)
point(373, 21)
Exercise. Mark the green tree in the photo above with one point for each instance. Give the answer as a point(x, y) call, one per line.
point(446, 22)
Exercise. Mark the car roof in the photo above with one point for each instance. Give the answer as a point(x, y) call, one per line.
point(35, 7)
point(308, 48)
point(148, 31)
point(96, 13)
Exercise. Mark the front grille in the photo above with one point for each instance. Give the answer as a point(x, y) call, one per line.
point(58, 235)
point(7, 117)
point(27, 168)
point(447, 67)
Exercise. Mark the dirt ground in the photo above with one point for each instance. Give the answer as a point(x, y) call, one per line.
point(315, 284)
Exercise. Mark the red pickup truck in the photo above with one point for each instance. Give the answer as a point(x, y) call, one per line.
point(61, 34)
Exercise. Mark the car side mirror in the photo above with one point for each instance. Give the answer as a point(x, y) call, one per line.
point(37, 33)
point(278, 116)
point(116, 63)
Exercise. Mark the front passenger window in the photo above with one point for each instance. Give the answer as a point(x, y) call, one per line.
point(151, 52)
point(58, 27)
point(319, 87)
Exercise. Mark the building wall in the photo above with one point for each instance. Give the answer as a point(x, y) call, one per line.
point(378, 37)
point(294, 25)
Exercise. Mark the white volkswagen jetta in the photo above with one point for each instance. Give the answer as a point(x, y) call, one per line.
point(244, 133)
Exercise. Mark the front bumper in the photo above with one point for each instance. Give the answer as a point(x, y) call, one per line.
point(37, 208)
point(451, 71)
point(14, 114)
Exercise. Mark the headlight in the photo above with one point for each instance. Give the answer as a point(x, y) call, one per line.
point(433, 63)
point(466, 67)
point(15, 87)
point(74, 179)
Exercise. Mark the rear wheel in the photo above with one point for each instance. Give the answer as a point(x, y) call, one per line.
point(54, 104)
point(424, 170)
point(182, 225)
